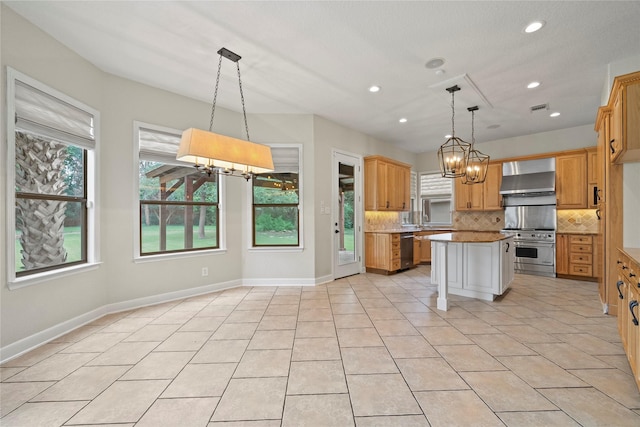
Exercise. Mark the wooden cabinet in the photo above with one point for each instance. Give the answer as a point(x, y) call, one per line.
point(571, 181)
point(575, 255)
point(387, 185)
point(628, 287)
point(425, 244)
point(382, 252)
point(481, 197)
point(593, 178)
point(417, 245)
point(624, 101)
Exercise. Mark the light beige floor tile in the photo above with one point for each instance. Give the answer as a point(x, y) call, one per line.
point(537, 419)
point(272, 340)
point(235, 331)
point(368, 360)
point(125, 353)
point(277, 323)
point(261, 423)
point(76, 335)
point(159, 365)
point(353, 308)
point(504, 391)
point(152, 333)
point(501, 345)
point(550, 325)
point(381, 394)
point(403, 347)
point(469, 358)
point(245, 316)
point(221, 351)
point(252, 399)
point(286, 300)
point(443, 335)
point(589, 407)
point(7, 373)
point(527, 334)
point(539, 372)
point(128, 324)
point(216, 310)
point(612, 382)
point(12, 395)
point(179, 412)
point(567, 356)
point(174, 318)
point(359, 337)
point(590, 344)
point(618, 361)
point(34, 356)
point(317, 410)
point(309, 305)
point(54, 367)
point(184, 341)
point(42, 414)
point(315, 349)
point(122, 402)
point(264, 363)
point(201, 380)
point(253, 305)
point(352, 321)
point(344, 298)
point(385, 313)
point(412, 307)
point(390, 328)
point(371, 300)
point(97, 342)
point(316, 377)
point(496, 318)
point(84, 384)
point(315, 330)
point(426, 319)
point(202, 324)
point(393, 421)
point(282, 310)
point(430, 373)
point(473, 326)
point(456, 408)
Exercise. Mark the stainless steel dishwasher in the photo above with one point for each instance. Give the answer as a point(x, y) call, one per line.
point(406, 250)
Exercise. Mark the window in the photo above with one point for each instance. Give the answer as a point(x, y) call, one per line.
point(51, 173)
point(436, 199)
point(411, 217)
point(179, 208)
point(276, 200)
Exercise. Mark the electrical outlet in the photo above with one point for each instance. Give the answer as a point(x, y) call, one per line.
point(205, 271)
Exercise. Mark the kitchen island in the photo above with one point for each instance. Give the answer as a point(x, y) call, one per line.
point(471, 264)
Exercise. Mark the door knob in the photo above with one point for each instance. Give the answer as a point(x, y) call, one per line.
point(337, 231)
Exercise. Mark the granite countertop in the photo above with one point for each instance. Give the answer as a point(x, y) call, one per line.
point(408, 230)
point(468, 237)
point(633, 253)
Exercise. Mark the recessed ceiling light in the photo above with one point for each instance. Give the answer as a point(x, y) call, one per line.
point(556, 114)
point(448, 136)
point(403, 120)
point(434, 63)
point(533, 85)
point(374, 89)
point(534, 26)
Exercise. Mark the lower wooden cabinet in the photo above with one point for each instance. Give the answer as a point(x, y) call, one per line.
point(628, 286)
point(382, 252)
point(425, 244)
point(575, 255)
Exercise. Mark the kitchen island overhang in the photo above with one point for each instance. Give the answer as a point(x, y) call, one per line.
point(471, 264)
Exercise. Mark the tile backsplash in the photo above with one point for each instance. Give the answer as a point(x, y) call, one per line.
point(478, 221)
point(577, 220)
point(374, 221)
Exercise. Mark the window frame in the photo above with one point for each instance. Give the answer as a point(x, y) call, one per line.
point(90, 241)
point(444, 196)
point(280, 248)
point(139, 256)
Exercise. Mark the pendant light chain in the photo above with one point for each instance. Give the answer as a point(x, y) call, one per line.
point(244, 112)
point(473, 137)
point(453, 114)
point(215, 95)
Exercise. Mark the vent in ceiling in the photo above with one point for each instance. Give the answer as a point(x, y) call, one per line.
point(539, 107)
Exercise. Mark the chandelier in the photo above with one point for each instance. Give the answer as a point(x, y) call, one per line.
point(454, 153)
point(477, 162)
point(212, 152)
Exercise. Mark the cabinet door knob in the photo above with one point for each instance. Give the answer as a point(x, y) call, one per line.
point(633, 304)
point(618, 284)
point(613, 150)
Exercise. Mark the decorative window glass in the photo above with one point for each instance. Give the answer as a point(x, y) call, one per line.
point(276, 200)
point(179, 206)
point(51, 171)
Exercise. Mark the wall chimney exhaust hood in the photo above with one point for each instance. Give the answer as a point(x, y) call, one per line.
point(529, 177)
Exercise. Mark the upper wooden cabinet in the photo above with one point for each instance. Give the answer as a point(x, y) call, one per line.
point(624, 102)
point(571, 181)
point(593, 178)
point(481, 197)
point(387, 185)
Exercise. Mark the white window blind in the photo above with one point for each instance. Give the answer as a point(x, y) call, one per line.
point(414, 185)
point(286, 159)
point(433, 184)
point(159, 145)
point(47, 116)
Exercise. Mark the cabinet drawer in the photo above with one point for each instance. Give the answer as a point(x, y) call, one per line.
point(581, 248)
point(581, 270)
point(395, 246)
point(581, 258)
point(581, 239)
point(395, 265)
point(395, 254)
point(395, 238)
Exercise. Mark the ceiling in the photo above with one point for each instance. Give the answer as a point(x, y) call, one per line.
point(318, 57)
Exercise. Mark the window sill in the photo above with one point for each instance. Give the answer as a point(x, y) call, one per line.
point(178, 255)
point(277, 249)
point(34, 279)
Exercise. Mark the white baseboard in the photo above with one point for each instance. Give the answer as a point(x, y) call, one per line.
point(287, 282)
point(29, 343)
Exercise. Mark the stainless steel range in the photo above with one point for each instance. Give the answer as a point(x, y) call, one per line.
point(528, 190)
point(535, 251)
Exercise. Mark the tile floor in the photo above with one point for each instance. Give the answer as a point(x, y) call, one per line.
point(367, 350)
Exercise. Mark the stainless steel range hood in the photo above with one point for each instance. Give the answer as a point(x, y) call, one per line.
point(529, 177)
